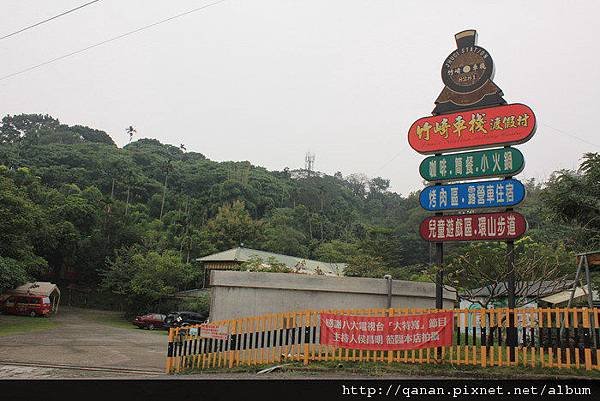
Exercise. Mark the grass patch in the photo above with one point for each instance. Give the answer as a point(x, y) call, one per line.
point(114, 319)
point(24, 324)
point(385, 370)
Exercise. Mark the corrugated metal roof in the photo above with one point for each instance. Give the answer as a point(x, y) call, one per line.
point(245, 254)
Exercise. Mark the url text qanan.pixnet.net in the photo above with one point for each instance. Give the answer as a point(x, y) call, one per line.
point(403, 391)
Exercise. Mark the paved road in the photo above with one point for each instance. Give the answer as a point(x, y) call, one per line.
point(84, 341)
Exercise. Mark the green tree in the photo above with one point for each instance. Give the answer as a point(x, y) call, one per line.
point(233, 226)
point(70, 198)
point(537, 267)
point(142, 278)
point(12, 274)
point(365, 266)
point(270, 265)
point(573, 200)
point(283, 234)
point(336, 251)
point(19, 220)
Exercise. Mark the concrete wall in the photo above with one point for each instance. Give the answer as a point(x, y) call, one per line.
point(237, 294)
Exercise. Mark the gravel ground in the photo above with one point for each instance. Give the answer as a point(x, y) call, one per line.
point(92, 339)
point(83, 339)
point(29, 372)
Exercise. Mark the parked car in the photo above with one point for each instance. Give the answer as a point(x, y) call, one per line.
point(32, 305)
point(182, 319)
point(150, 321)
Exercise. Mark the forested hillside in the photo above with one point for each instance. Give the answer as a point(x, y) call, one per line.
point(74, 204)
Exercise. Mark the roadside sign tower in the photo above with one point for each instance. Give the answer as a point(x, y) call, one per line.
point(471, 114)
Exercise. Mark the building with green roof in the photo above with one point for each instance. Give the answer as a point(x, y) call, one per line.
point(231, 259)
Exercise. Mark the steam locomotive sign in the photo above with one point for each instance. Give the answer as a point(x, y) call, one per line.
point(467, 74)
point(471, 113)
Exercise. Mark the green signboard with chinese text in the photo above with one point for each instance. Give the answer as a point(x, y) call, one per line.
point(501, 162)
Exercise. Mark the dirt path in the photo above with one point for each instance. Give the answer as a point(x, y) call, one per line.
point(84, 338)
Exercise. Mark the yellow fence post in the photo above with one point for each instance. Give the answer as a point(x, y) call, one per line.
point(596, 317)
point(171, 349)
point(587, 351)
point(482, 326)
point(295, 336)
point(232, 334)
point(303, 335)
point(558, 328)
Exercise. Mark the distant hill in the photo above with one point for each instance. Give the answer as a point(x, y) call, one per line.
point(120, 194)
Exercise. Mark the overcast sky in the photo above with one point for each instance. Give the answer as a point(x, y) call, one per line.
point(269, 80)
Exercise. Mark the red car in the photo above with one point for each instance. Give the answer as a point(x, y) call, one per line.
point(150, 321)
point(32, 305)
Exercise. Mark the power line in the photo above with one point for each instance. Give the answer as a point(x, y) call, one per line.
point(109, 40)
point(49, 19)
point(388, 162)
point(546, 125)
point(571, 135)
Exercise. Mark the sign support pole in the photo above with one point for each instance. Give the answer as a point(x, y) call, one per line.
point(439, 277)
point(467, 75)
point(439, 261)
point(512, 331)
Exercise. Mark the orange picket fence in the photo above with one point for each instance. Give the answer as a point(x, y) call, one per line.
point(541, 337)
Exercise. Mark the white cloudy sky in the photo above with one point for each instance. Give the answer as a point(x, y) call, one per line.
point(269, 80)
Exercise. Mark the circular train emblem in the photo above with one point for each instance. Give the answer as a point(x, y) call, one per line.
point(467, 69)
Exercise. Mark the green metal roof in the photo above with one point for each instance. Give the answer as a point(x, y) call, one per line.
point(245, 254)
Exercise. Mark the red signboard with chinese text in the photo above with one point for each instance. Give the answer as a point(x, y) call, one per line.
point(214, 331)
point(473, 227)
point(387, 333)
point(501, 125)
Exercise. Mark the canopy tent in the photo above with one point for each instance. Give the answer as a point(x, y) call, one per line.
point(561, 298)
point(41, 288)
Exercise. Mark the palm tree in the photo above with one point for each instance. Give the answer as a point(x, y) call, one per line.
point(130, 131)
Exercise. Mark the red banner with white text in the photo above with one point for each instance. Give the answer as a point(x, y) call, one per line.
point(387, 333)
